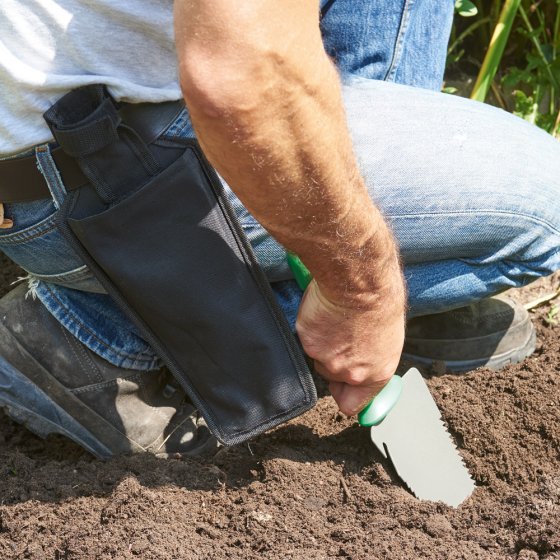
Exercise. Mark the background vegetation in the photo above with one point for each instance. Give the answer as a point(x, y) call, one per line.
point(507, 52)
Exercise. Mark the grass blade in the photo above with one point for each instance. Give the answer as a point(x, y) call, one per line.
point(495, 50)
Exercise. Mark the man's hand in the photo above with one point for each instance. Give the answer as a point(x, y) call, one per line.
point(356, 349)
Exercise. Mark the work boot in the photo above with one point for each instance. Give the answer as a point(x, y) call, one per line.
point(493, 333)
point(52, 383)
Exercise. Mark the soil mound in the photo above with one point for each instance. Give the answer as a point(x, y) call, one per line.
point(312, 489)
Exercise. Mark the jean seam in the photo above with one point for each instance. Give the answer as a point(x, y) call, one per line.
point(133, 357)
point(75, 274)
point(44, 226)
point(500, 262)
point(249, 222)
point(399, 42)
point(47, 167)
point(477, 211)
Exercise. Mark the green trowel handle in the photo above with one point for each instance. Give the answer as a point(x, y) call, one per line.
point(374, 413)
point(301, 274)
point(387, 398)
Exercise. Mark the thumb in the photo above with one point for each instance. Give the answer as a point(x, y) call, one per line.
point(350, 398)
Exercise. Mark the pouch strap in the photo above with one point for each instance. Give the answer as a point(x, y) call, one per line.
point(81, 107)
point(90, 138)
point(87, 125)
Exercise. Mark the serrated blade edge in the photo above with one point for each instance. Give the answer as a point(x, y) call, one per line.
point(420, 447)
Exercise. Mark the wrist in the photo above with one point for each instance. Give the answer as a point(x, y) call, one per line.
point(364, 273)
point(387, 293)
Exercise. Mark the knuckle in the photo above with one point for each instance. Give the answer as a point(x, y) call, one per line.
point(340, 369)
point(335, 366)
point(355, 377)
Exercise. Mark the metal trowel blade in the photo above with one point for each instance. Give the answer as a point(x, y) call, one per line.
point(414, 438)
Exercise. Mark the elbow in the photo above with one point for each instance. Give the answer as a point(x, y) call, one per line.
point(218, 87)
point(258, 58)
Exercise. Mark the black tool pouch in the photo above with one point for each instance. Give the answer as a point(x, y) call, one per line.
point(154, 226)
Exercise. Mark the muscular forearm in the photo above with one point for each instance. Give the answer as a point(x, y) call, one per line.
point(266, 105)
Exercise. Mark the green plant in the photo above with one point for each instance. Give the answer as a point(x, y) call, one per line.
point(465, 8)
point(536, 87)
point(514, 48)
point(551, 315)
point(495, 50)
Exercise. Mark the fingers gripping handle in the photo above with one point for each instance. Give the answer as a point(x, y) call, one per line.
point(374, 413)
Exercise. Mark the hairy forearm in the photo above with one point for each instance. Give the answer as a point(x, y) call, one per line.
point(265, 102)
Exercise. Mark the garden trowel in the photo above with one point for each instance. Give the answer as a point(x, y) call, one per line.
point(407, 429)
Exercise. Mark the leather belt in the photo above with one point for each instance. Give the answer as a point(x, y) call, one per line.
point(21, 180)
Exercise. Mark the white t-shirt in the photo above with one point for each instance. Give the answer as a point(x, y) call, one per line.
point(48, 47)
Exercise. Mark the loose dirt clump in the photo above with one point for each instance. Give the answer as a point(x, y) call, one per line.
point(314, 488)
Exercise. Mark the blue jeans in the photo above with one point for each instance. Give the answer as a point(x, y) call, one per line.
point(472, 193)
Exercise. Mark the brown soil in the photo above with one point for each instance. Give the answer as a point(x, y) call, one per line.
point(312, 489)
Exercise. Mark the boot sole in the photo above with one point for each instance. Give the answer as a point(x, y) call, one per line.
point(495, 362)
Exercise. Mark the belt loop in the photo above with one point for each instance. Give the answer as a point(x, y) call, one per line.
point(48, 169)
